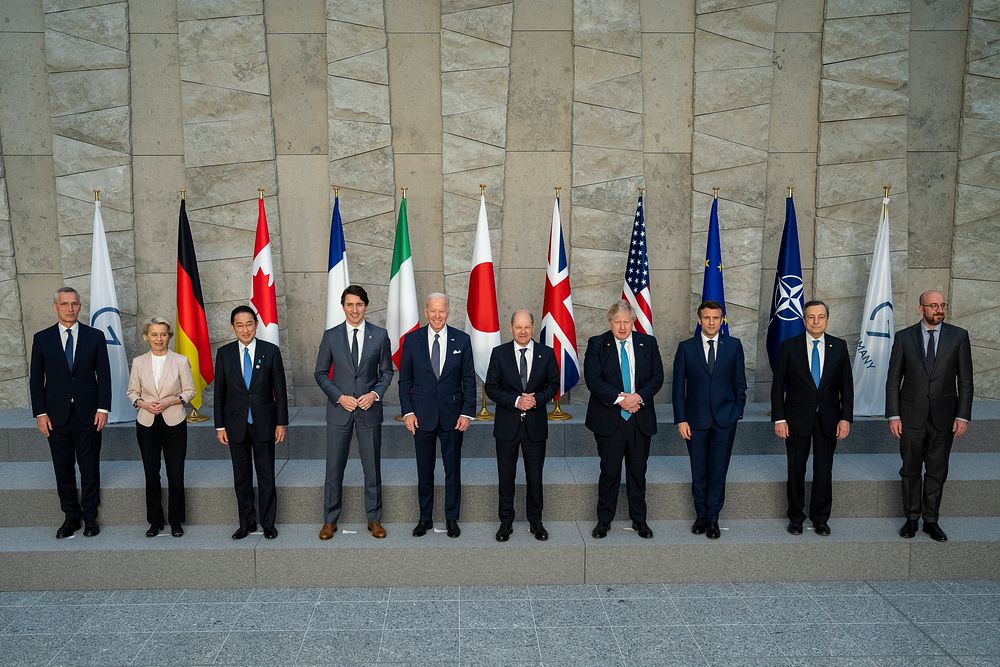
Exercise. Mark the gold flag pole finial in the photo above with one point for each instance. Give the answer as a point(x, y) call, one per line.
point(885, 190)
point(183, 192)
point(715, 193)
point(403, 190)
point(336, 190)
point(260, 193)
point(482, 188)
point(791, 191)
point(558, 190)
point(97, 195)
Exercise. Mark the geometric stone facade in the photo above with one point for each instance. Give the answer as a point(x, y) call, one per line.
point(141, 98)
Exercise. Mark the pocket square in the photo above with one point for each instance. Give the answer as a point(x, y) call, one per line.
point(456, 352)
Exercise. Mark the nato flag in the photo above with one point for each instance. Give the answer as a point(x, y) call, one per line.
point(786, 318)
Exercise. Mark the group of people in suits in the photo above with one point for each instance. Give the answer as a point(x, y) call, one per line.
point(928, 403)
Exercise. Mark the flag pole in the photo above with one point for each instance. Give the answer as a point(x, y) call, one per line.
point(484, 414)
point(557, 414)
point(195, 416)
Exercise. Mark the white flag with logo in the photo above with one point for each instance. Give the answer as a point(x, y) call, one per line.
point(871, 363)
point(105, 317)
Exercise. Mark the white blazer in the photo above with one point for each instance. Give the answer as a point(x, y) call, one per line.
point(175, 380)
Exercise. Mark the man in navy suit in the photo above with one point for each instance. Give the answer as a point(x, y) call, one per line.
point(812, 398)
point(709, 393)
point(251, 415)
point(71, 398)
point(437, 393)
point(354, 369)
point(522, 377)
point(928, 400)
point(623, 371)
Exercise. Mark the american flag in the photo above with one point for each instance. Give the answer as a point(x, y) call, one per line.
point(636, 288)
point(558, 325)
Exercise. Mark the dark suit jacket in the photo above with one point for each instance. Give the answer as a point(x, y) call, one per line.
point(266, 395)
point(702, 399)
point(374, 372)
point(437, 403)
point(57, 390)
point(794, 395)
point(603, 374)
point(946, 392)
point(503, 385)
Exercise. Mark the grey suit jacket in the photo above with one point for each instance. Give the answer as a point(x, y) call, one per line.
point(374, 372)
point(911, 393)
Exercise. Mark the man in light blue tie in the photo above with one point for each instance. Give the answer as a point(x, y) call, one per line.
point(623, 370)
point(812, 400)
point(251, 414)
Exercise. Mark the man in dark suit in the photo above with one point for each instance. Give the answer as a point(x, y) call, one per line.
point(812, 398)
point(709, 393)
point(437, 393)
point(522, 377)
point(354, 369)
point(251, 415)
point(623, 371)
point(71, 398)
point(928, 400)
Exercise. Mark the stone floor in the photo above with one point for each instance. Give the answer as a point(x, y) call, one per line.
point(904, 623)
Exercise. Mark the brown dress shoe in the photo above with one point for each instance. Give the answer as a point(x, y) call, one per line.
point(376, 529)
point(327, 531)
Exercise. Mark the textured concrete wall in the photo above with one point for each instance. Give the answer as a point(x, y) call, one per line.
point(141, 98)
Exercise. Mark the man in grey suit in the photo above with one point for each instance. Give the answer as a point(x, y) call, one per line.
point(354, 369)
point(928, 401)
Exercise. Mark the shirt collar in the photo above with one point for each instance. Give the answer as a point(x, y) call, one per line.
point(252, 346)
point(705, 339)
point(75, 328)
point(821, 339)
point(618, 343)
point(431, 332)
point(924, 328)
point(351, 328)
point(529, 347)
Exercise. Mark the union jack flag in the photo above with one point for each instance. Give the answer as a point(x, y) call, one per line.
point(636, 288)
point(558, 326)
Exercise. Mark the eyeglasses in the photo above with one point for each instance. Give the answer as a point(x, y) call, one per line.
point(935, 306)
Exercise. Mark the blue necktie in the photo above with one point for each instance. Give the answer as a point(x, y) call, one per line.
point(626, 379)
point(69, 348)
point(247, 373)
point(815, 362)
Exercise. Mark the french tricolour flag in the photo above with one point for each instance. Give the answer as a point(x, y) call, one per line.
point(337, 278)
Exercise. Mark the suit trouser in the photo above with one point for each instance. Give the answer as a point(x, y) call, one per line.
point(534, 461)
point(338, 446)
point(710, 450)
point(630, 444)
point(451, 456)
point(924, 450)
point(77, 444)
point(255, 451)
point(172, 441)
point(821, 496)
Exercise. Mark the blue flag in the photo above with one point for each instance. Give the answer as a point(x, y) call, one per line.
point(712, 288)
point(786, 319)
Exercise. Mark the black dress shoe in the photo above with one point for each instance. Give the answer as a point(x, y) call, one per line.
point(712, 531)
point(794, 528)
point(154, 530)
point(453, 529)
point(69, 527)
point(909, 529)
point(699, 526)
point(242, 532)
point(600, 530)
point(935, 532)
point(822, 529)
point(503, 533)
point(643, 529)
point(91, 529)
point(422, 527)
point(538, 530)
point(177, 531)
point(270, 533)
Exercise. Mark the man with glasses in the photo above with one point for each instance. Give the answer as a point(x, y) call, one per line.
point(928, 401)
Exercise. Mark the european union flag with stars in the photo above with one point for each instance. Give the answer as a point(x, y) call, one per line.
point(712, 288)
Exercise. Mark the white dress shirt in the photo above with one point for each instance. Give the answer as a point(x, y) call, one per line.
point(442, 341)
point(630, 351)
point(530, 347)
point(704, 345)
point(361, 337)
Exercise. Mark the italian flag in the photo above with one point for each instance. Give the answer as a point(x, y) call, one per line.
point(403, 316)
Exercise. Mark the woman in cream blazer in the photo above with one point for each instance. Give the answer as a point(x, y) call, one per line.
point(159, 386)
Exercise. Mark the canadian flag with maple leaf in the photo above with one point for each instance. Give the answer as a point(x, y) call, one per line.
point(263, 298)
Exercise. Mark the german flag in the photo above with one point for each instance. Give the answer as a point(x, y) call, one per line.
point(192, 325)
